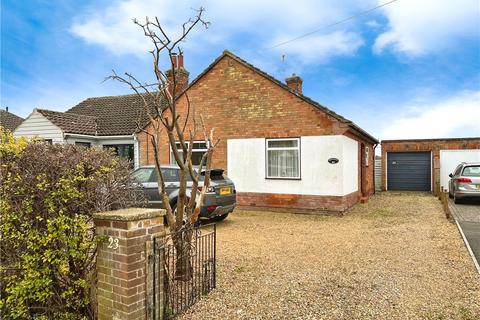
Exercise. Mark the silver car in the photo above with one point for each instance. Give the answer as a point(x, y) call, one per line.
point(465, 182)
point(220, 198)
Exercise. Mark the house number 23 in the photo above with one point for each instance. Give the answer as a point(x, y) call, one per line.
point(112, 243)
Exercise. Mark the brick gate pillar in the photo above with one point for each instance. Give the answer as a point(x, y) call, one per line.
point(123, 262)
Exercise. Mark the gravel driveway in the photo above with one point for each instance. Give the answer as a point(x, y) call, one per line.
point(395, 257)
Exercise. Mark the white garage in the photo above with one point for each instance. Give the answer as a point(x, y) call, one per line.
point(450, 159)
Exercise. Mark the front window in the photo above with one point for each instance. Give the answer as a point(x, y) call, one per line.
point(199, 149)
point(122, 150)
point(283, 158)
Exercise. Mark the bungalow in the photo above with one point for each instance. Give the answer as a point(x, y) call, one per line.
point(108, 122)
point(283, 150)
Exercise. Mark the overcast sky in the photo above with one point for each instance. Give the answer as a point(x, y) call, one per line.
point(408, 70)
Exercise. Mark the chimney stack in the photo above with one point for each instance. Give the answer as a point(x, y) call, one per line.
point(173, 57)
point(294, 83)
point(180, 60)
point(181, 75)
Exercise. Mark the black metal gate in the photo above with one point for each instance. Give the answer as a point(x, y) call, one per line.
point(183, 270)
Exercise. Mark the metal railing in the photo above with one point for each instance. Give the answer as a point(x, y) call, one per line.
point(184, 269)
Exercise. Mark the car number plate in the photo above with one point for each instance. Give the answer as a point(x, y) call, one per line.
point(225, 191)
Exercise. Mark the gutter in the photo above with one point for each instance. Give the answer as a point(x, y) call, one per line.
point(98, 137)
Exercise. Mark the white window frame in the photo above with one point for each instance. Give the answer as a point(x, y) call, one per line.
point(172, 158)
point(267, 148)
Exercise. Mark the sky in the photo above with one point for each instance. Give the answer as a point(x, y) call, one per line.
point(410, 69)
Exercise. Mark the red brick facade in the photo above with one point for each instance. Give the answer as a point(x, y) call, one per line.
point(301, 203)
point(240, 101)
point(432, 145)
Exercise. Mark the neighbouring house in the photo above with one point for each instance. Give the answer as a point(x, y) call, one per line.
point(8, 120)
point(108, 122)
point(424, 164)
point(282, 149)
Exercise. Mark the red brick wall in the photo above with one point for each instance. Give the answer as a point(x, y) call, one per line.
point(240, 103)
point(432, 145)
point(297, 202)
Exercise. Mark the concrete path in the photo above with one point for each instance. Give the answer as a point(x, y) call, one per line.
point(467, 216)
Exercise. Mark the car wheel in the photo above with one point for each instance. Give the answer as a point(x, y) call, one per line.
point(450, 195)
point(220, 218)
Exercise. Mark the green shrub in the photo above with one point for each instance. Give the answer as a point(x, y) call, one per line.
point(48, 195)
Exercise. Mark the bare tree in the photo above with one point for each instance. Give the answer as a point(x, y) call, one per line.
point(160, 100)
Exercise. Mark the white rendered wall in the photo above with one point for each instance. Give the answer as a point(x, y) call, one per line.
point(350, 165)
point(246, 167)
point(36, 125)
point(450, 159)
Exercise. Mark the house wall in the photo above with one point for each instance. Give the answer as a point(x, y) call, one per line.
point(36, 125)
point(241, 104)
point(247, 159)
point(432, 145)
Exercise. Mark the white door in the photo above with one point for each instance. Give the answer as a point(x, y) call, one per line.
point(450, 159)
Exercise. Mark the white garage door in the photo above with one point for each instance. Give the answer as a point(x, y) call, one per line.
point(450, 159)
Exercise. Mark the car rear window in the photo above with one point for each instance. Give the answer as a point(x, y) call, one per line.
point(472, 171)
point(143, 175)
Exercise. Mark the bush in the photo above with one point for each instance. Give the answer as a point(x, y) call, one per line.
point(48, 195)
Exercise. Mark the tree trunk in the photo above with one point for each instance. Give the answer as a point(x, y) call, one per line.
point(183, 247)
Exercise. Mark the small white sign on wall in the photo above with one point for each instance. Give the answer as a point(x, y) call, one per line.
point(450, 159)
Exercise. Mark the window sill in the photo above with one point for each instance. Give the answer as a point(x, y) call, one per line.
point(282, 178)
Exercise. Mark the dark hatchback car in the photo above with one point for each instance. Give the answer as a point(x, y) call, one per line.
point(220, 198)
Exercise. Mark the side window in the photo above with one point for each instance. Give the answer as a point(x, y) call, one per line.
point(143, 175)
point(153, 177)
point(458, 170)
point(170, 175)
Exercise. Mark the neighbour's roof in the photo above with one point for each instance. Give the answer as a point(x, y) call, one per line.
point(115, 115)
point(71, 123)
point(286, 87)
point(9, 120)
